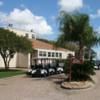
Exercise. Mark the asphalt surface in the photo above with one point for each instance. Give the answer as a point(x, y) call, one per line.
point(24, 88)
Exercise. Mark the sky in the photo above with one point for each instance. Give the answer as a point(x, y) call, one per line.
point(40, 15)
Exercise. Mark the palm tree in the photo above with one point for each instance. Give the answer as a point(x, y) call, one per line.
point(76, 28)
point(71, 46)
point(92, 41)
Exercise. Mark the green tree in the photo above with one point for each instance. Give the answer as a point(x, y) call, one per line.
point(92, 41)
point(76, 28)
point(10, 43)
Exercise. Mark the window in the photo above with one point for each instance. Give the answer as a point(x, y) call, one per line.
point(42, 53)
point(26, 35)
point(53, 54)
point(49, 54)
point(60, 55)
point(56, 54)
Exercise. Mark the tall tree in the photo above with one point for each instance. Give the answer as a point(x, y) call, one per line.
point(10, 43)
point(76, 28)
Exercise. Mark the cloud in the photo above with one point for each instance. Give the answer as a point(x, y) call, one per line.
point(70, 5)
point(95, 16)
point(2, 17)
point(25, 19)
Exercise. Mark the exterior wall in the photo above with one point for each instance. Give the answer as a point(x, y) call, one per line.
point(19, 60)
point(22, 32)
point(22, 60)
point(64, 53)
point(46, 59)
point(12, 62)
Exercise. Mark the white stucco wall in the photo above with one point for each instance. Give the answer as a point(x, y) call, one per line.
point(19, 60)
point(22, 32)
point(64, 53)
point(22, 60)
point(12, 62)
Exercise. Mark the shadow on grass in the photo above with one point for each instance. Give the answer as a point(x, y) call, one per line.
point(11, 72)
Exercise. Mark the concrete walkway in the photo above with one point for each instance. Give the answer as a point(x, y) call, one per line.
point(23, 88)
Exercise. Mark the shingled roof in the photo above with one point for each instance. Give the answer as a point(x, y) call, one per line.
point(43, 45)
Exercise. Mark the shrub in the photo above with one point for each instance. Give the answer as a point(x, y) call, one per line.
point(66, 66)
point(81, 72)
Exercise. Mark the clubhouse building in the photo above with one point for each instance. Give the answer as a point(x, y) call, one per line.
point(44, 52)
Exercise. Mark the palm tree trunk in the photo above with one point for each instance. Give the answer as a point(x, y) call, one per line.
point(81, 55)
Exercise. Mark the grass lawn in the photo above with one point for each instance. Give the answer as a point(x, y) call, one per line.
point(10, 73)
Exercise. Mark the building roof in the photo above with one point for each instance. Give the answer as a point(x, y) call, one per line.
point(43, 45)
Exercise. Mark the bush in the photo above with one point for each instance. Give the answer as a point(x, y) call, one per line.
point(81, 72)
point(66, 66)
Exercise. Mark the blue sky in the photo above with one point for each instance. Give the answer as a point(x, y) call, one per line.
point(40, 15)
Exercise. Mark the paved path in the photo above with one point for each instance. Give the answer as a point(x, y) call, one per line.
point(23, 88)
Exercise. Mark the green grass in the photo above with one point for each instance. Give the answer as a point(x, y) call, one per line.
point(10, 73)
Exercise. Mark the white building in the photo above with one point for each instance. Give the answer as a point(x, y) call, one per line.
point(29, 34)
point(46, 52)
point(43, 52)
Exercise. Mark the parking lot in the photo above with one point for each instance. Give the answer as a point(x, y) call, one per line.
point(24, 88)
